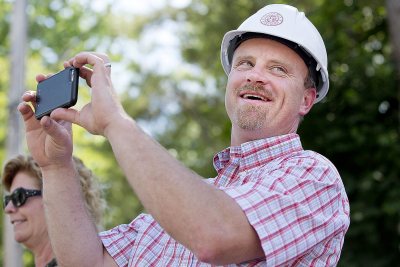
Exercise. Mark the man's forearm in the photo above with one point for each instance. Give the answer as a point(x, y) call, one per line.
point(68, 220)
point(193, 212)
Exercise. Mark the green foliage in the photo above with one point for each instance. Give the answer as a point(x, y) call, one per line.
point(59, 29)
point(357, 126)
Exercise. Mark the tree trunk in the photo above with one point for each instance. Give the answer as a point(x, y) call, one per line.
point(393, 10)
point(18, 31)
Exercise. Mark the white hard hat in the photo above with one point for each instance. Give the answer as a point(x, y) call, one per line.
point(285, 24)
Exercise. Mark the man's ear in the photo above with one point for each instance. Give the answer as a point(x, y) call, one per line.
point(309, 97)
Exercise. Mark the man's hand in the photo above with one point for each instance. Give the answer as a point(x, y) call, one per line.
point(49, 141)
point(105, 107)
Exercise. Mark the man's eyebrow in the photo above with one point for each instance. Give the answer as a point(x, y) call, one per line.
point(243, 57)
point(277, 61)
point(280, 62)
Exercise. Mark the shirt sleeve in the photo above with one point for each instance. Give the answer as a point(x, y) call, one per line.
point(296, 209)
point(119, 240)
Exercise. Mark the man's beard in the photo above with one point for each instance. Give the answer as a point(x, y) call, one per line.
point(251, 117)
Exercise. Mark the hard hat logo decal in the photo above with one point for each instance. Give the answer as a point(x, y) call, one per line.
point(271, 19)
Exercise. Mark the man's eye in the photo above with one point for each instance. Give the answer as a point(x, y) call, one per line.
point(244, 64)
point(278, 69)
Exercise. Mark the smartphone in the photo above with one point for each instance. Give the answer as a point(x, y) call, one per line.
point(58, 91)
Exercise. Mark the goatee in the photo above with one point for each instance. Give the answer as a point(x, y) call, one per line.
point(251, 117)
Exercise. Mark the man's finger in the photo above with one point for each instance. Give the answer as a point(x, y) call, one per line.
point(54, 129)
point(25, 110)
point(70, 115)
point(86, 73)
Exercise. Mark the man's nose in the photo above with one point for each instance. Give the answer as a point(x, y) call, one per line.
point(256, 75)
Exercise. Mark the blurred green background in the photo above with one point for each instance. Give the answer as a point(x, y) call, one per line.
point(167, 70)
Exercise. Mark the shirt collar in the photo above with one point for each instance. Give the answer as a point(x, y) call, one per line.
point(258, 152)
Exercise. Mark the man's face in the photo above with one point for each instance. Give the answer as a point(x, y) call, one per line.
point(265, 94)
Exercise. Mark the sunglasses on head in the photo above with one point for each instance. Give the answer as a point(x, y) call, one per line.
point(19, 196)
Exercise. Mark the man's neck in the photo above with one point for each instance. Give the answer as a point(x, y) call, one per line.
point(240, 136)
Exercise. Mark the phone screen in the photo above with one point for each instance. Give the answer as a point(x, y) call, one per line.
point(59, 90)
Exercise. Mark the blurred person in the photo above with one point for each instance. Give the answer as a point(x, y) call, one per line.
point(22, 177)
point(272, 203)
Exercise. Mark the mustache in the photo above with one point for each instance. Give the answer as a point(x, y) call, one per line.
point(257, 88)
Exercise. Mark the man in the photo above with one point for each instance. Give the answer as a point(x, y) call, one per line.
point(271, 204)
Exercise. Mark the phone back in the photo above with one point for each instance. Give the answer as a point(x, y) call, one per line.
point(59, 90)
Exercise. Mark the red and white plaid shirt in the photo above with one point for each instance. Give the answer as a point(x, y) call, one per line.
point(294, 199)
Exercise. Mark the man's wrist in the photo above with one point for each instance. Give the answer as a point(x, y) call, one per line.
point(122, 124)
point(59, 168)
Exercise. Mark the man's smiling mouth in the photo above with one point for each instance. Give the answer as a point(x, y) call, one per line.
point(255, 92)
point(255, 96)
